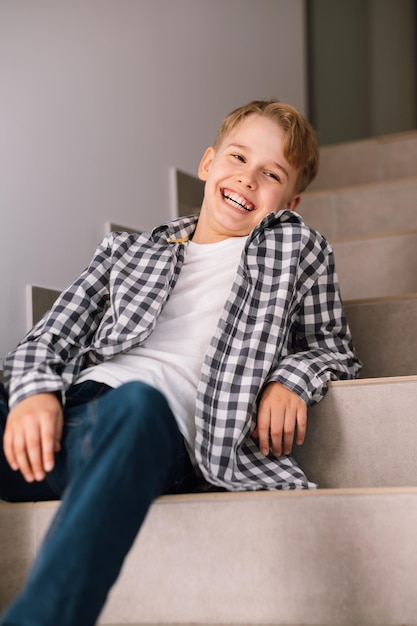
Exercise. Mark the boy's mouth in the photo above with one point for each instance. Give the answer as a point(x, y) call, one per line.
point(237, 201)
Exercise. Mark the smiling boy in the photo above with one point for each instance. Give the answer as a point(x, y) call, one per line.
point(181, 358)
point(247, 177)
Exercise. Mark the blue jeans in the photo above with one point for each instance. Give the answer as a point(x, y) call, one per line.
point(121, 449)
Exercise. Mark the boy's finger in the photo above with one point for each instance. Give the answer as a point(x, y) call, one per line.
point(288, 436)
point(277, 430)
point(301, 426)
point(276, 441)
point(23, 465)
point(263, 429)
point(59, 425)
point(9, 450)
point(15, 452)
point(32, 450)
point(48, 444)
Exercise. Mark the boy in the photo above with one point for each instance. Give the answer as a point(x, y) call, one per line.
point(183, 356)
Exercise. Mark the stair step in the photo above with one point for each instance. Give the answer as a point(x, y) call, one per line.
point(330, 557)
point(379, 266)
point(358, 162)
point(362, 210)
point(363, 434)
point(380, 334)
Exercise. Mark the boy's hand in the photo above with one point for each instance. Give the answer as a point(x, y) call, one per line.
point(281, 414)
point(33, 434)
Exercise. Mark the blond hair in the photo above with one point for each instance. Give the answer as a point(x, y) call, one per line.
point(300, 142)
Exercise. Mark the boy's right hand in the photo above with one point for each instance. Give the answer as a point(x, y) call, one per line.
point(33, 434)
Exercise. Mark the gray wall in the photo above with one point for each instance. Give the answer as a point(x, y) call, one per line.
point(363, 67)
point(101, 99)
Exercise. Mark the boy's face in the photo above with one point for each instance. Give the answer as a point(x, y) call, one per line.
point(247, 177)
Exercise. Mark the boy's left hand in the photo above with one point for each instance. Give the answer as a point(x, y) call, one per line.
point(281, 415)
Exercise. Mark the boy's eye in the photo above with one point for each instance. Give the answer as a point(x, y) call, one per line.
point(239, 157)
point(273, 176)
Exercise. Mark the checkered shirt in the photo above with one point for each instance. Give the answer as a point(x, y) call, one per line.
point(283, 321)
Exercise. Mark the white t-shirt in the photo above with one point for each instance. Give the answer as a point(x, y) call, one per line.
point(171, 358)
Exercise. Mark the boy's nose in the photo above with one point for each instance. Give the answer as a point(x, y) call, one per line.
point(247, 178)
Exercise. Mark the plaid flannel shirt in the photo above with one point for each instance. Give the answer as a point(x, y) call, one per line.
point(283, 321)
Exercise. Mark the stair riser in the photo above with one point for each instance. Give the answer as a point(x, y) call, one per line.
point(372, 160)
point(363, 434)
point(330, 560)
point(381, 336)
point(377, 267)
point(363, 210)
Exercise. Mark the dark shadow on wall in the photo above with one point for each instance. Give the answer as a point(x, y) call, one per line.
point(362, 67)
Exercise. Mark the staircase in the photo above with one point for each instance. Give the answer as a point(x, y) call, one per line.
point(344, 555)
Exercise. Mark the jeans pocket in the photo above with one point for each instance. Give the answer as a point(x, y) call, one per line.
point(85, 392)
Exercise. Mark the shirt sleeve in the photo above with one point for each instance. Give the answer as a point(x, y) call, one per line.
point(322, 342)
point(44, 361)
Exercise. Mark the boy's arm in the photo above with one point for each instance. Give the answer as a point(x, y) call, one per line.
point(36, 365)
point(322, 347)
point(322, 351)
point(33, 371)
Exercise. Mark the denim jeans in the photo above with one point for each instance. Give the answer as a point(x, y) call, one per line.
point(121, 449)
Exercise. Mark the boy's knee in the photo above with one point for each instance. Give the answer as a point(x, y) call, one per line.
point(138, 397)
point(142, 409)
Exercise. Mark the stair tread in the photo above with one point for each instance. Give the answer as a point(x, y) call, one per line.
point(381, 299)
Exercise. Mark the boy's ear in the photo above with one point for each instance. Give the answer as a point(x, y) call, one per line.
point(205, 164)
point(293, 203)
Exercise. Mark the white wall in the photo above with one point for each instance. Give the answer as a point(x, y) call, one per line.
point(99, 99)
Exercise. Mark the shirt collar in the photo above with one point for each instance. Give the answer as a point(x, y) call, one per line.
point(272, 220)
point(177, 231)
point(181, 229)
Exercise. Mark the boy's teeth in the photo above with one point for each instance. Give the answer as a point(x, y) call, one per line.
point(235, 200)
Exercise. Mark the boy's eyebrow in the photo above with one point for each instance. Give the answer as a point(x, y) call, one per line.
point(276, 164)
